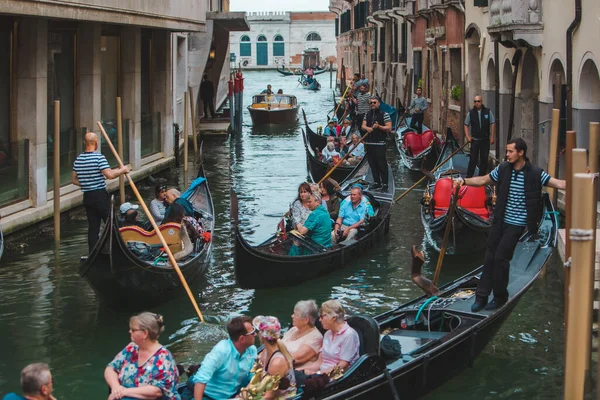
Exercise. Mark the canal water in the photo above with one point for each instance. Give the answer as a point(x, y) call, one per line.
point(48, 313)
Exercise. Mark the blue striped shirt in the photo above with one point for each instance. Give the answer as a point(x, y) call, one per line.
point(89, 166)
point(516, 210)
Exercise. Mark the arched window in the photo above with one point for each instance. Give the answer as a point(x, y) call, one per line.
point(313, 37)
point(261, 38)
point(278, 46)
point(245, 46)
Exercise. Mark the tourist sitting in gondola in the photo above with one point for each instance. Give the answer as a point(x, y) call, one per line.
point(342, 146)
point(157, 205)
point(346, 130)
point(354, 210)
point(332, 128)
point(357, 153)
point(303, 340)
point(341, 342)
point(317, 226)
point(173, 196)
point(275, 358)
point(144, 369)
point(129, 215)
point(329, 154)
point(226, 368)
point(329, 199)
point(299, 210)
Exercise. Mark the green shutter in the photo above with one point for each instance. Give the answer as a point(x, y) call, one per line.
point(245, 50)
point(278, 49)
point(481, 3)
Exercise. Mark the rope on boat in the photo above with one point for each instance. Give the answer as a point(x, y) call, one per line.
point(567, 264)
point(581, 235)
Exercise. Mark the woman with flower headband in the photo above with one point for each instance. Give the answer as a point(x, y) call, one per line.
point(275, 358)
point(144, 369)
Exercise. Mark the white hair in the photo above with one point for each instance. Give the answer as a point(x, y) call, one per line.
point(308, 309)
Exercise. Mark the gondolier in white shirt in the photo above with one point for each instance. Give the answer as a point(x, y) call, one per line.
point(90, 171)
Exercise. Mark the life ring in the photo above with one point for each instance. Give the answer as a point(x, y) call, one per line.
point(245, 63)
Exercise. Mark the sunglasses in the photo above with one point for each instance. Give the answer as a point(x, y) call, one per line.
point(253, 333)
point(372, 102)
point(477, 101)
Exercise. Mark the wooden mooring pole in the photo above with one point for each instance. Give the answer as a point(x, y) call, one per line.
point(120, 148)
point(571, 144)
point(57, 170)
point(552, 170)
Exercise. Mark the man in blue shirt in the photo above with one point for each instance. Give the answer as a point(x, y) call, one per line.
point(90, 171)
point(226, 369)
point(36, 383)
point(518, 207)
point(418, 107)
point(353, 212)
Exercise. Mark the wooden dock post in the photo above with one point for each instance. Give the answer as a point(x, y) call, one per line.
point(571, 144)
point(120, 148)
point(553, 152)
point(57, 170)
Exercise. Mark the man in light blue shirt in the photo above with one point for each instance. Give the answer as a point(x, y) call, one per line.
point(353, 212)
point(418, 107)
point(226, 369)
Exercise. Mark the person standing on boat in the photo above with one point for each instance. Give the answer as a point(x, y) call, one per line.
point(361, 104)
point(418, 107)
point(482, 123)
point(90, 171)
point(377, 123)
point(518, 207)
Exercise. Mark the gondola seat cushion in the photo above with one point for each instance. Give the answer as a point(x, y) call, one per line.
point(474, 200)
point(170, 232)
point(416, 143)
point(368, 333)
point(441, 196)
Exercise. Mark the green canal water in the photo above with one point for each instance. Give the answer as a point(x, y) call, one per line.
point(48, 313)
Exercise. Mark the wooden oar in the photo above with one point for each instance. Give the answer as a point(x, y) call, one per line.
point(341, 101)
point(154, 225)
point(449, 222)
point(328, 174)
point(432, 171)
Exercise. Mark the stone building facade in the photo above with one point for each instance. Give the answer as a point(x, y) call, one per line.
point(85, 53)
point(280, 38)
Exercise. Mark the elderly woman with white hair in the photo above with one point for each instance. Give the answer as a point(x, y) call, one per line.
point(304, 340)
point(329, 153)
point(341, 342)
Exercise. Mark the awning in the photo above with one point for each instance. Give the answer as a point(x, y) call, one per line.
point(230, 21)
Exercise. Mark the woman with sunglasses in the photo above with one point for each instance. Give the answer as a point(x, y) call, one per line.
point(157, 205)
point(144, 369)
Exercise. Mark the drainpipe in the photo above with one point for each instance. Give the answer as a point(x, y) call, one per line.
point(572, 28)
point(497, 97)
point(511, 119)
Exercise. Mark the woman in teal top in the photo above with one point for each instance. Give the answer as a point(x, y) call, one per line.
point(317, 226)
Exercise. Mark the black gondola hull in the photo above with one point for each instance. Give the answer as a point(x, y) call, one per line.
point(273, 117)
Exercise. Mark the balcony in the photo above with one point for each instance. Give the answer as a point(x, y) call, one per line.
point(382, 5)
point(423, 5)
point(517, 21)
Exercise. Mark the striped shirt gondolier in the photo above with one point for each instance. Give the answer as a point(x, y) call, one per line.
point(89, 166)
point(516, 210)
point(362, 103)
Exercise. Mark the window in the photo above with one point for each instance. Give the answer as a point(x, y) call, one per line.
point(345, 22)
point(151, 134)
point(337, 26)
point(313, 37)
point(245, 47)
point(480, 3)
point(403, 43)
point(455, 67)
point(261, 38)
point(278, 46)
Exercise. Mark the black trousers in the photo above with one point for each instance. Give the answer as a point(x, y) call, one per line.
point(416, 122)
point(97, 209)
point(500, 248)
point(480, 151)
point(208, 104)
point(378, 162)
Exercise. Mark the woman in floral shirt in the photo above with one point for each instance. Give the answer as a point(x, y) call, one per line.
point(144, 369)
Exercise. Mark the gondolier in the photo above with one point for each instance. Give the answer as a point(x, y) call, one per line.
point(481, 120)
point(90, 171)
point(378, 124)
point(418, 107)
point(518, 207)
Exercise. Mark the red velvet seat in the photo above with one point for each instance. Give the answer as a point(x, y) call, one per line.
point(474, 199)
point(417, 143)
point(441, 196)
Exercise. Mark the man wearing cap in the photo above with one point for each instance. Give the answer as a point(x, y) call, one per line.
point(332, 128)
point(226, 369)
point(353, 212)
point(129, 215)
point(90, 171)
point(377, 124)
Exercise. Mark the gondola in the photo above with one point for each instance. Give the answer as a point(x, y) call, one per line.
point(318, 169)
point(474, 211)
point(277, 109)
point(309, 84)
point(315, 140)
point(127, 269)
point(268, 264)
point(287, 72)
point(417, 150)
point(1, 243)
point(438, 336)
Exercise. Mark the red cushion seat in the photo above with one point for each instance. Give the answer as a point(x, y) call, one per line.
point(474, 200)
point(417, 143)
point(441, 196)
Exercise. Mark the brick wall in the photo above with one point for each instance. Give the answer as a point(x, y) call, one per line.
point(311, 16)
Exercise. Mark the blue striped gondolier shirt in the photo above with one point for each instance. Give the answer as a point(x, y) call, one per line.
point(89, 166)
point(516, 210)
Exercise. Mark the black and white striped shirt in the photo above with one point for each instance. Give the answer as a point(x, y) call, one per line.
point(89, 166)
point(515, 212)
